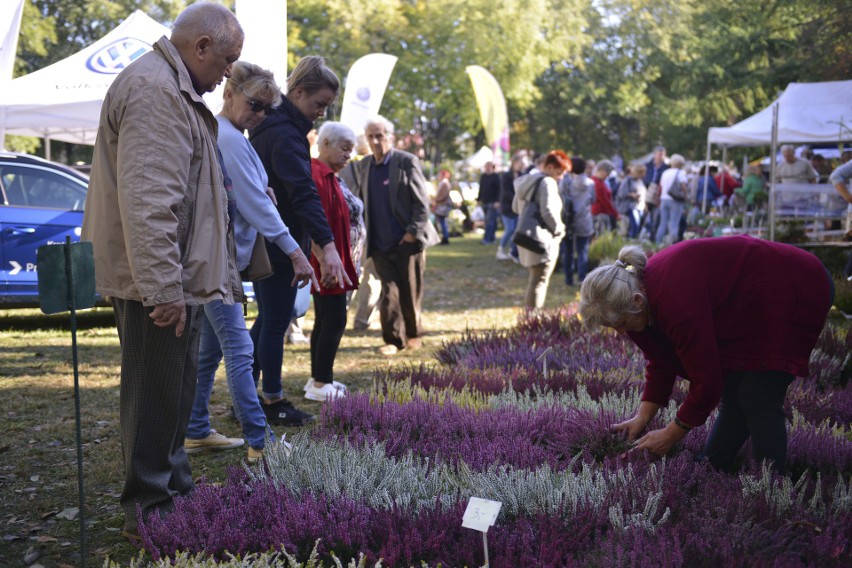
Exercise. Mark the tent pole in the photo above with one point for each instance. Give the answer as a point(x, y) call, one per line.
point(772, 163)
point(46, 147)
point(706, 177)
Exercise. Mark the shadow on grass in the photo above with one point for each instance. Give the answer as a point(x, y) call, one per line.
point(31, 319)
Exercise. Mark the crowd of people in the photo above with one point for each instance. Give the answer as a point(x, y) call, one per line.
point(178, 221)
point(653, 201)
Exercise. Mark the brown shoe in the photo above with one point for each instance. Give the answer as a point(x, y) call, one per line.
point(388, 350)
point(132, 535)
point(414, 343)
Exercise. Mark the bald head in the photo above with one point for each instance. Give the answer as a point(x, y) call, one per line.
point(209, 39)
point(207, 18)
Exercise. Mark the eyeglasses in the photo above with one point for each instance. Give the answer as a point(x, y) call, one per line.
point(257, 106)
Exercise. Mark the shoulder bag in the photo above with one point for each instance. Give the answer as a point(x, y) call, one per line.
point(259, 266)
point(528, 233)
point(676, 189)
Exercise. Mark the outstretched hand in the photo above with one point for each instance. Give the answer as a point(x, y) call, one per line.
point(632, 427)
point(659, 442)
point(303, 271)
point(332, 273)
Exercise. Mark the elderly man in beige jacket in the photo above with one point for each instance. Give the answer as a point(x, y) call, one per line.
point(157, 213)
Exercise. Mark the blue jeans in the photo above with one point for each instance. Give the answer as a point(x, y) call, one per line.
point(490, 222)
point(509, 224)
point(575, 248)
point(275, 298)
point(670, 213)
point(223, 332)
point(442, 225)
point(752, 407)
point(634, 217)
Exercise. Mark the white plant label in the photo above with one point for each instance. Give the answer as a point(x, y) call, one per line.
point(481, 514)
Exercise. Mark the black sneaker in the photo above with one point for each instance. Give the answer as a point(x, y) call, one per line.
point(283, 413)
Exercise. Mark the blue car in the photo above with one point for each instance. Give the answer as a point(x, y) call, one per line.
point(40, 203)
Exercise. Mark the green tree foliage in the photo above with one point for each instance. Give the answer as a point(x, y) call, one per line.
point(589, 76)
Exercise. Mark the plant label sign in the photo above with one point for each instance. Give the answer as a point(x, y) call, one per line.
point(481, 514)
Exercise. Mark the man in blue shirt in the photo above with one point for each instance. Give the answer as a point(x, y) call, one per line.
point(396, 204)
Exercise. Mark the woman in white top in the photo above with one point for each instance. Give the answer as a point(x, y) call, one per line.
point(250, 95)
point(671, 208)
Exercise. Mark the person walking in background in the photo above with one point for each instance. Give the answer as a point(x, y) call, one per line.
point(604, 213)
point(630, 199)
point(542, 189)
point(840, 179)
point(250, 95)
point(398, 232)
point(157, 216)
point(335, 143)
point(575, 244)
point(654, 169)
point(442, 205)
point(739, 316)
point(282, 144)
point(489, 200)
point(713, 195)
point(671, 209)
point(369, 288)
point(507, 250)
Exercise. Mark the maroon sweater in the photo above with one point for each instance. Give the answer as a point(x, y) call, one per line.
point(728, 304)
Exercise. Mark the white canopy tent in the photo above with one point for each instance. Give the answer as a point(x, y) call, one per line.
point(807, 112)
point(804, 113)
point(63, 101)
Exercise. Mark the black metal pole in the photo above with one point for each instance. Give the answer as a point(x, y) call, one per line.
point(72, 307)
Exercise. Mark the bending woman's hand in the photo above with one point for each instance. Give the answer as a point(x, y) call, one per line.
point(304, 272)
point(659, 442)
point(635, 426)
point(632, 427)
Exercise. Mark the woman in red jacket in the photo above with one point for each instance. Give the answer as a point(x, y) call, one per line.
point(335, 142)
point(736, 316)
point(603, 204)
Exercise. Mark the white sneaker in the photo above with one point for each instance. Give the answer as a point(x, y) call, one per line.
point(296, 338)
point(322, 394)
point(501, 255)
point(339, 386)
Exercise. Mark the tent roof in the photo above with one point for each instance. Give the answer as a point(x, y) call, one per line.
point(808, 112)
point(63, 101)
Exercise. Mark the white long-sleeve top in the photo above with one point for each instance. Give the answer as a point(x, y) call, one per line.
point(255, 211)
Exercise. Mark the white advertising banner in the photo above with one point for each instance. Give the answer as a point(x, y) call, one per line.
point(365, 88)
point(10, 28)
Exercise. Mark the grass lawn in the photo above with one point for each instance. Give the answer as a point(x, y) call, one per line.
point(466, 288)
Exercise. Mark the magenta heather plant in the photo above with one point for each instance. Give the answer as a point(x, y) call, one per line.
point(522, 439)
point(637, 511)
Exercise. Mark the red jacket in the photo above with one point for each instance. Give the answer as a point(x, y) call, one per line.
point(728, 304)
point(603, 199)
point(337, 214)
point(730, 183)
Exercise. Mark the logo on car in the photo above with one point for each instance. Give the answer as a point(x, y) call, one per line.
point(113, 58)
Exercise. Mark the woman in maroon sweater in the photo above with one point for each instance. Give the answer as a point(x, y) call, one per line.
point(736, 316)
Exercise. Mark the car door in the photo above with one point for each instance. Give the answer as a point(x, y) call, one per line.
point(41, 205)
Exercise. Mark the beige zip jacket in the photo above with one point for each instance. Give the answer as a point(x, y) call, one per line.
point(156, 210)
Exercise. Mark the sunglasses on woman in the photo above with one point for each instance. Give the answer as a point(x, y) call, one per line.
point(257, 106)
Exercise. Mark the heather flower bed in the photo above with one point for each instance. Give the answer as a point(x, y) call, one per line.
point(385, 476)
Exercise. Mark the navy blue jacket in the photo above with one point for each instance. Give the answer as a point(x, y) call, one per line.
point(281, 141)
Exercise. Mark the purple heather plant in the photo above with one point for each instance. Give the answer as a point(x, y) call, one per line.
point(672, 512)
